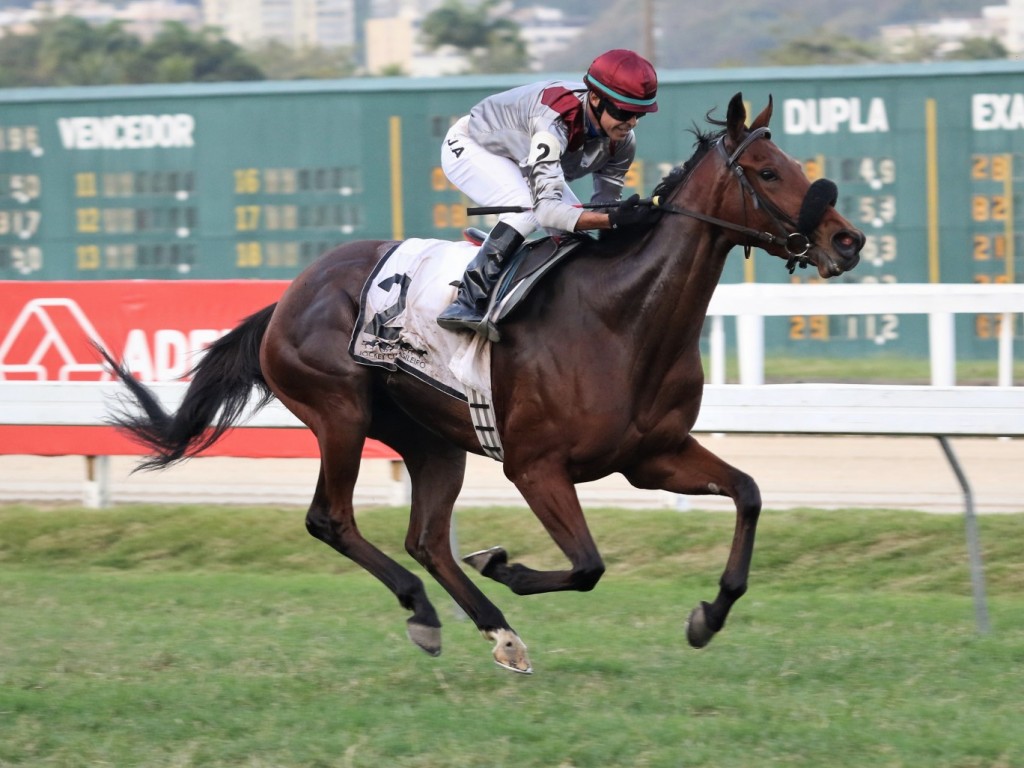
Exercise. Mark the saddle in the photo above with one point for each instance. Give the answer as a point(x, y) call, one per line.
point(525, 269)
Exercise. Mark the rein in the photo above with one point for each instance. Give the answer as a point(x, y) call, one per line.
point(796, 244)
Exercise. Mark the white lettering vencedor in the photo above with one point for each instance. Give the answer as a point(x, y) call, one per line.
point(169, 355)
point(997, 111)
point(833, 114)
point(127, 131)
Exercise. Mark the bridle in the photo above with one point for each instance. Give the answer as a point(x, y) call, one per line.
point(796, 243)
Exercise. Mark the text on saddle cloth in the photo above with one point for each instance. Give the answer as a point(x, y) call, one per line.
point(397, 328)
point(414, 283)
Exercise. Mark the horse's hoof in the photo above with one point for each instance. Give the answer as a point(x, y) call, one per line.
point(509, 651)
point(698, 633)
point(427, 638)
point(486, 559)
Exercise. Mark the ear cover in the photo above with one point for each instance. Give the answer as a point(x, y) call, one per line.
point(821, 196)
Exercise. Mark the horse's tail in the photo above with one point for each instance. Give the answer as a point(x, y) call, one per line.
point(215, 400)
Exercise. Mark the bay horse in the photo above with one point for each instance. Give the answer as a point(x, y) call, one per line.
point(598, 372)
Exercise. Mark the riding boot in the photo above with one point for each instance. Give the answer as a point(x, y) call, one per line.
point(468, 309)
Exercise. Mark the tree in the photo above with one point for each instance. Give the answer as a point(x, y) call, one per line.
point(18, 54)
point(822, 49)
point(282, 62)
point(490, 42)
point(178, 54)
point(974, 48)
point(456, 25)
point(505, 50)
point(70, 51)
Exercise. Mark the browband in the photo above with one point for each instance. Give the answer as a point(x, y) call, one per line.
point(753, 136)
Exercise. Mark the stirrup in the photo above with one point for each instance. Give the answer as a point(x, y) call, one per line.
point(458, 323)
point(480, 325)
point(457, 317)
point(489, 330)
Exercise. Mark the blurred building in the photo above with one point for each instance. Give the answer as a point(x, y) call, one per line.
point(392, 47)
point(142, 18)
point(546, 31)
point(384, 32)
point(1004, 23)
point(298, 23)
point(393, 41)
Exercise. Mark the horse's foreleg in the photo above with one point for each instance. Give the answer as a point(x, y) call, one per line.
point(695, 470)
point(331, 518)
point(552, 497)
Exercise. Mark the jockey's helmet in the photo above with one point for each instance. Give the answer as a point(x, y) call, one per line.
point(626, 79)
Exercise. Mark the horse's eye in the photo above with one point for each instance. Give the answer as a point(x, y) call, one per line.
point(767, 174)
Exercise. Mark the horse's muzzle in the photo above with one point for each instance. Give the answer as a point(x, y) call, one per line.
point(844, 254)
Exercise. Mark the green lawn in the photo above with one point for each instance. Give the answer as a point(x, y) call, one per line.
point(189, 636)
point(882, 368)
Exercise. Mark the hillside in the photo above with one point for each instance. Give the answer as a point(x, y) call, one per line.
point(737, 33)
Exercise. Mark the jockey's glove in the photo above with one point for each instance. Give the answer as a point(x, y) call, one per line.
point(633, 213)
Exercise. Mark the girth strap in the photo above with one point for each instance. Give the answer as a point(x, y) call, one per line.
point(481, 413)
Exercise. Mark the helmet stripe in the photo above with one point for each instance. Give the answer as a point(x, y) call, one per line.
point(621, 97)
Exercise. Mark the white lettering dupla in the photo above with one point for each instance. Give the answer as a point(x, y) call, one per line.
point(832, 115)
point(997, 111)
point(127, 131)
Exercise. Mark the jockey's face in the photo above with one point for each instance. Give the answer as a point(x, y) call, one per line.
point(614, 126)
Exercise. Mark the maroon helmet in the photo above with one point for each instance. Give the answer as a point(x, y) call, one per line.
point(625, 79)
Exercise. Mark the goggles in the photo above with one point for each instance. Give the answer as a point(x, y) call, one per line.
point(622, 115)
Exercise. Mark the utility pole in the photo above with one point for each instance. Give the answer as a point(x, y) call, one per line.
point(648, 31)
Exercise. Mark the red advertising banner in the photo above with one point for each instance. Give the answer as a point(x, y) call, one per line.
point(47, 331)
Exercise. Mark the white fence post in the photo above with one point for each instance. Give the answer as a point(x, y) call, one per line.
point(717, 349)
point(1006, 350)
point(96, 489)
point(750, 345)
point(942, 343)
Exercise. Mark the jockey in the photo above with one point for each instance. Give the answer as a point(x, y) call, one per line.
point(521, 148)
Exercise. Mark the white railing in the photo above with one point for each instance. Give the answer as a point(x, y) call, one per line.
point(823, 409)
point(750, 303)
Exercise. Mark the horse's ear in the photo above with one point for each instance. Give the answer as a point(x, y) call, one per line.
point(736, 118)
point(761, 121)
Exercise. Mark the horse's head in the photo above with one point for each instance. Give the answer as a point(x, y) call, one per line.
point(768, 200)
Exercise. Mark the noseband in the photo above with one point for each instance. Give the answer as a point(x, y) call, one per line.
point(798, 242)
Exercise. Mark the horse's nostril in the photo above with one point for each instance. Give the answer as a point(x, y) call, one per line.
point(849, 241)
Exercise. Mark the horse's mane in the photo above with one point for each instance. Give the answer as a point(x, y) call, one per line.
point(705, 140)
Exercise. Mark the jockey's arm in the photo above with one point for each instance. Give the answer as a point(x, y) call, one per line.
point(546, 180)
point(608, 183)
point(592, 220)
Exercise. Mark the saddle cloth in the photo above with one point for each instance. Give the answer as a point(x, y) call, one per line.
point(397, 324)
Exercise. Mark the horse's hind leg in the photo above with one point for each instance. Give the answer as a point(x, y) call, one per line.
point(695, 470)
point(436, 470)
point(331, 518)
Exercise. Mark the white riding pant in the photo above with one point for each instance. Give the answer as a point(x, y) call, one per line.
point(488, 179)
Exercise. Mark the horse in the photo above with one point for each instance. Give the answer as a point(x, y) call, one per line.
point(598, 372)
